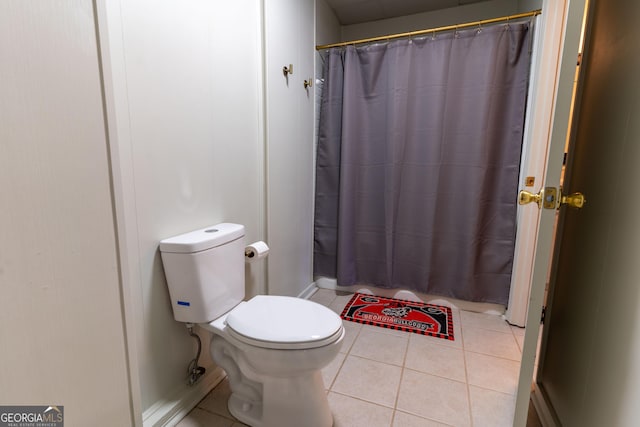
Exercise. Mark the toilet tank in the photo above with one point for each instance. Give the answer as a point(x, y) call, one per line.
point(205, 271)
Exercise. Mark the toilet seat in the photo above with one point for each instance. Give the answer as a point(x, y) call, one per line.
point(280, 322)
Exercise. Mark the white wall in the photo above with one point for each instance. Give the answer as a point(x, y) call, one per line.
point(328, 27)
point(455, 15)
point(529, 5)
point(187, 101)
point(62, 333)
point(328, 30)
point(289, 39)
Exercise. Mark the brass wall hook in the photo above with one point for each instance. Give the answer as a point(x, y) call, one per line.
point(308, 83)
point(287, 70)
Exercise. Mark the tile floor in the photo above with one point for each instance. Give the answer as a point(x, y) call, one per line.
point(390, 378)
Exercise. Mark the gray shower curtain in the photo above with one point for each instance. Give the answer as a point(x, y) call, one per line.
point(418, 158)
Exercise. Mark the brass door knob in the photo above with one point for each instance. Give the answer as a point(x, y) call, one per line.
point(575, 200)
point(525, 197)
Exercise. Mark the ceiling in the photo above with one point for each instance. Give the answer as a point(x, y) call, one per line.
point(357, 11)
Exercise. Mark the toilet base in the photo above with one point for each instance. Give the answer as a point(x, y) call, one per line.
point(271, 400)
point(248, 413)
point(287, 402)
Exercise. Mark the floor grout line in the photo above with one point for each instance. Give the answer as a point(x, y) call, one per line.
point(466, 372)
point(337, 373)
point(404, 366)
point(363, 400)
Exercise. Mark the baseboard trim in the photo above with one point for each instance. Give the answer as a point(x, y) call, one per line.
point(308, 291)
point(168, 412)
point(544, 410)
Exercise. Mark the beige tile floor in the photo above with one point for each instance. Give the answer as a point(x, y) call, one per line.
point(390, 378)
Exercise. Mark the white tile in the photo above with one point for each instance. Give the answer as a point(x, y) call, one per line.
point(517, 330)
point(491, 342)
point(491, 322)
point(492, 372)
point(350, 412)
point(201, 418)
point(519, 341)
point(402, 419)
point(351, 329)
point(428, 357)
point(381, 347)
point(457, 343)
point(216, 401)
point(491, 408)
point(518, 334)
point(330, 371)
point(432, 397)
point(324, 296)
point(339, 302)
point(368, 380)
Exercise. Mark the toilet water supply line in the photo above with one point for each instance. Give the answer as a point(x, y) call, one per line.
point(195, 372)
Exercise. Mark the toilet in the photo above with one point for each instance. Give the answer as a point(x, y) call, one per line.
point(271, 347)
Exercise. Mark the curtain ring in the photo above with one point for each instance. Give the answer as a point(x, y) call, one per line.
point(433, 35)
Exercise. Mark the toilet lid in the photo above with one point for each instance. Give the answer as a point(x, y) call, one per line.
point(284, 322)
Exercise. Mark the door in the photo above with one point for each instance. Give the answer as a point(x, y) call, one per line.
point(587, 373)
point(570, 16)
point(548, 41)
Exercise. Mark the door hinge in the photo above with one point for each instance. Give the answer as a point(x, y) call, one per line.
point(543, 314)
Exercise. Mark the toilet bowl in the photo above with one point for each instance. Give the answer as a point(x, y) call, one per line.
point(271, 347)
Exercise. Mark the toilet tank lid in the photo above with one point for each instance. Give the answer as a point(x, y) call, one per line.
point(202, 239)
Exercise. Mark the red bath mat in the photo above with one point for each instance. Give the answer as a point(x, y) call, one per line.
point(409, 316)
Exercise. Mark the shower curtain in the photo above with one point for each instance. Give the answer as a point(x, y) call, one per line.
point(418, 156)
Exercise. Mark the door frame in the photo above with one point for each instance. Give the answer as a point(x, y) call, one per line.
point(573, 15)
point(548, 38)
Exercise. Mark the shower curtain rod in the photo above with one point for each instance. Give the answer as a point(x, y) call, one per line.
point(433, 30)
